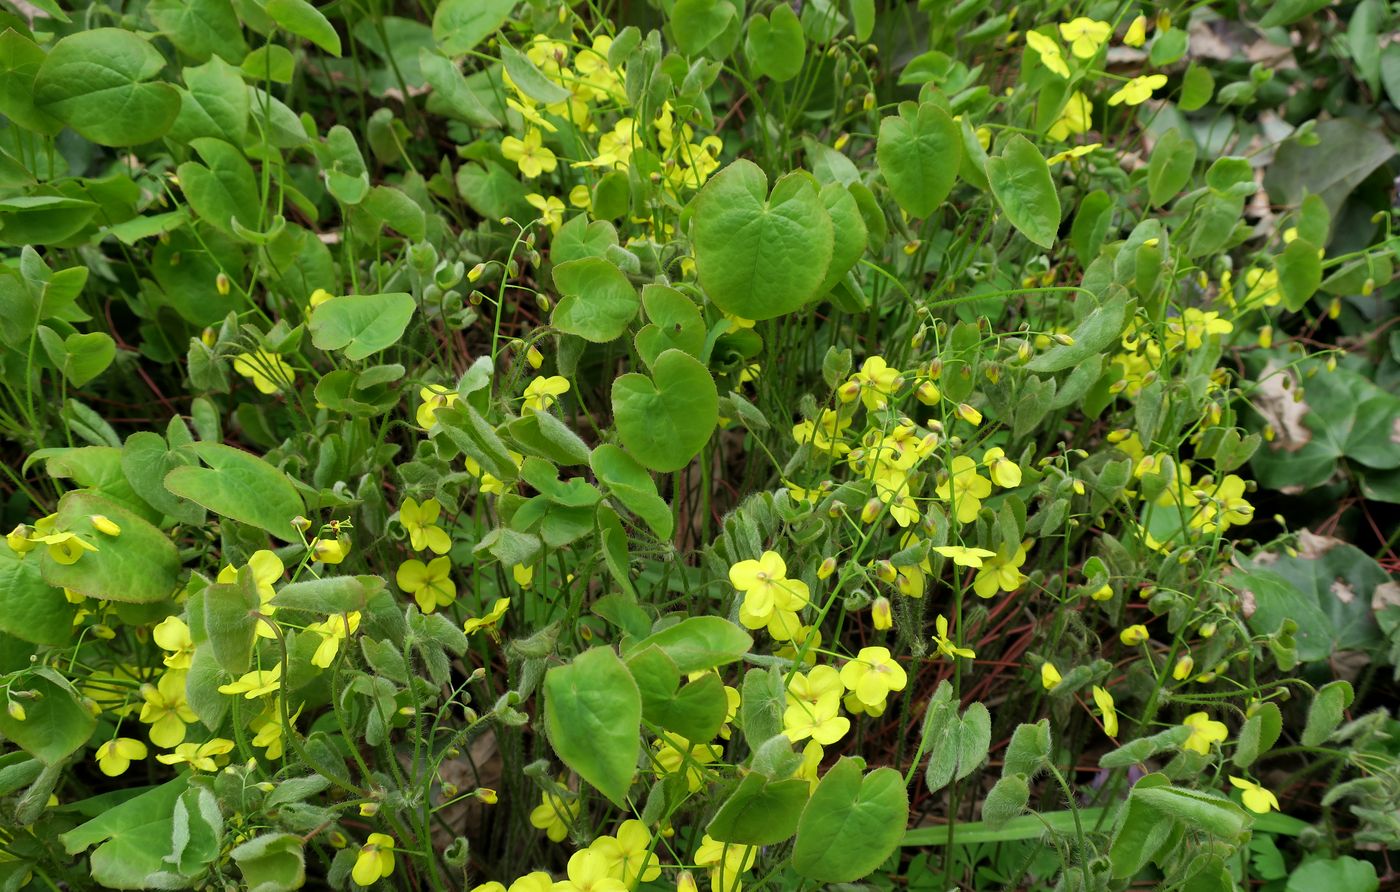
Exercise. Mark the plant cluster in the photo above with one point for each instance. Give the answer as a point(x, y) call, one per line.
point(557, 446)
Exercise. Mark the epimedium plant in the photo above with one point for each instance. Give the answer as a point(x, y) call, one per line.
point(517, 444)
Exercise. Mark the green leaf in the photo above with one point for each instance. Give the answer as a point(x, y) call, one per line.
point(529, 79)
point(222, 190)
point(214, 104)
point(223, 615)
point(633, 486)
point(774, 44)
point(270, 62)
point(140, 566)
point(1197, 87)
point(695, 24)
point(146, 459)
point(304, 20)
point(1099, 330)
point(1258, 734)
point(700, 642)
point(56, 722)
point(30, 608)
point(1326, 712)
point(135, 837)
point(675, 322)
point(1173, 159)
point(851, 824)
point(849, 233)
point(598, 302)
point(330, 594)
point(1005, 800)
point(695, 710)
point(540, 433)
point(1348, 150)
point(1351, 874)
point(1286, 12)
point(919, 152)
point(760, 812)
point(361, 324)
point(446, 79)
point(200, 28)
point(20, 59)
point(593, 714)
point(459, 25)
point(81, 357)
point(757, 255)
point(272, 862)
point(1299, 273)
point(665, 420)
point(240, 486)
point(1020, 180)
point(99, 82)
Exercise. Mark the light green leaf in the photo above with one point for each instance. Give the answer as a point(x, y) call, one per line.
point(304, 20)
point(1173, 159)
point(135, 837)
point(1299, 273)
point(593, 714)
point(851, 824)
point(598, 303)
point(1099, 329)
point(56, 722)
point(529, 79)
point(459, 25)
point(760, 256)
point(695, 711)
point(1020, 180)
point(272, 862)
point(774, 45)
point(675, 322)
point(919, 151)
point(214, 104)
point(665, 420)
point(446, 79)
point(240, 486)
point(361, 324)
point(625, 478)
point(760, 812)
point(20, 59)
point(700, 642)
point(80, 357)
point(200, 28)
point(100, 83)
point(30, 608)
point(1326, 712)
point(224, 188)
point(140, 566)
point(695, 24)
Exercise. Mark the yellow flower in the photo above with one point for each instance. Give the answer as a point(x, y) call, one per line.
point(1138, 90)
point(965, 487)
point(551, 210)
point(529, 154)
point(588, 871)
point(962, 556)
point(1137, 32)
point(553, 815)
point(1193, 326)
point(166, 710)
point(1134, 635)
point(1003, 471)
point(335, 629)
point(945, 645)
point(542, 392)
point(726, 861)
point(880, 614)
point(1110, 714)
point(318, 297)
point(1085, 36)
point(268, 371)
point(65, 548)
point(430, 584)
point(1048, 51)
point(1002, 572)
point(267, 730)
point(872, 675)
point(421, 523)
point(1226, 506)
point(1204, 732)
point(375, 860)
point(267, 570)
point(330, 551)
point(875, 383)
point(1050, 677)
point(434, 397)
point(104, 525)
point(199, 756)
point(117, 754)
point(675, 754)
point(171, 634)
point(255, 683)
point(19, 541)
point(766, 588)
point(1076, 152)
point(1076, 117)
point(487, 621)
point(1256, 798)
point(629, 855)
point(1182, 670)
point(580, 197)
point(821, 722)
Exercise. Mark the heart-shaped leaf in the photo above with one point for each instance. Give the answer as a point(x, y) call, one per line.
point(664, 422)
point(361, 324)
point(593, 711)
point(305, 20)
point(758, 255)
point(1020, 180)
point(696, 23)
point(845, 807)
point(598, 302)
point(241, 486)
point(919, 152)
point(849, 229)
point(459, 25)
point(633, 486)
point(774, 45)
point(675, 323)
point(99, 82)
point(139, 566)
point(223, 190)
